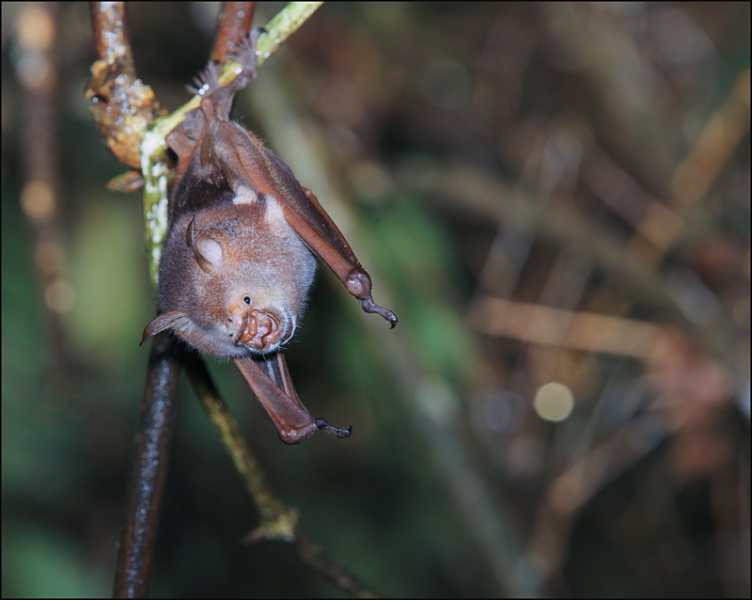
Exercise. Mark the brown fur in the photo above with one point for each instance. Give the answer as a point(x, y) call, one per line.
point(263, 275)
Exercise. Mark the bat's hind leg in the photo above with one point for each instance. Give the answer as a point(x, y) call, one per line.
point(217, 99)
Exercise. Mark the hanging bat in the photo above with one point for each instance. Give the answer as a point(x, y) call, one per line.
point(239, 257)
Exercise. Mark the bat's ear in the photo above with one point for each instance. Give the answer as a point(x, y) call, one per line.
point(162, 323)
point(207, 250)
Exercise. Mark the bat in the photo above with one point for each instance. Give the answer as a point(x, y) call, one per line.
point(241, 248)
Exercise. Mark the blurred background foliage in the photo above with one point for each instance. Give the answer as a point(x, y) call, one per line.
point(555, 200)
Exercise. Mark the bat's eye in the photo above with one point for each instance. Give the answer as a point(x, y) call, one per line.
point(247, 300)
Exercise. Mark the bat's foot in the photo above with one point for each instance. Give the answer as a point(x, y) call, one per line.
point(218, 99)
point(323, 424)
point(246, 54)
point(205, 82)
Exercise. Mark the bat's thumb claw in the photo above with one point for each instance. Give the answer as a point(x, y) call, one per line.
point(323, 424)
point(370, 306)
point(358, 283)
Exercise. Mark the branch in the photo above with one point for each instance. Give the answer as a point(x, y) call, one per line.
point(233, 24)
point(151, 454)
point(278, 521)
point(122, 106)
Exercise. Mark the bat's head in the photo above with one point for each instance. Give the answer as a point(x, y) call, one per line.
point(233, 279)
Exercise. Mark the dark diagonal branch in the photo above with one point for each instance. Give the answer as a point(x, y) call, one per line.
point(151, 453)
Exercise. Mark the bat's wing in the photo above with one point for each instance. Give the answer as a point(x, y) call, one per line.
point(270, 381)
point(245, 162)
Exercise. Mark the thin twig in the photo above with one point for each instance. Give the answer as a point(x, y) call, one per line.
point(319, 561)
point(277, 520)
point(693, 177)
point(533, 323)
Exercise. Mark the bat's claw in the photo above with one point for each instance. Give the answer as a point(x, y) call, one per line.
point(205, 82)
point(246, 54)
point(323, 424)
point(358, 283)
point(370, 306)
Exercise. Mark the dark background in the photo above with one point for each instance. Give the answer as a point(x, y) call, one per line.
point(486, 162)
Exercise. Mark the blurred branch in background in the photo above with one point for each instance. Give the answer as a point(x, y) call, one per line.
point(39, 77)
point(540, 211)
point(692, 178)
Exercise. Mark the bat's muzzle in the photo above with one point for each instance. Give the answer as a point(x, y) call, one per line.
point(260, 330)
